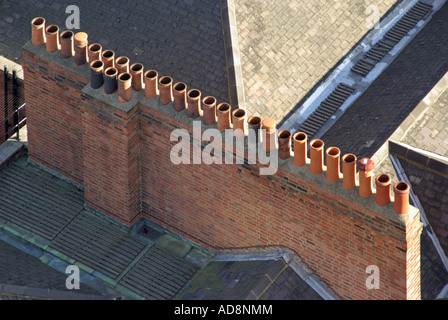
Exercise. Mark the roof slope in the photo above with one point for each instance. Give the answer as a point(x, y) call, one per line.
point(248, 280)
point(142, 262)
point(427, 174)
point(182, 39)
point(48, 213)
point(372, 119)
point(430, 132)
point(18, 268)
point(287, 47)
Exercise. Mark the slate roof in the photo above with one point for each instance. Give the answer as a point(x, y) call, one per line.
point(434, 275)
point(427, 174)
point(248, 280)
point(288, 47)
point(48, 213)
point(369, 122)
point(430, 132)
point(182, 39)
point(45, 226)
point(282, 49)
point(25, 277)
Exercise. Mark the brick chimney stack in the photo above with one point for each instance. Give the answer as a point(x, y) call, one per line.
point(120, 152)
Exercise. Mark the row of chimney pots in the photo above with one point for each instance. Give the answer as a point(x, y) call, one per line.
point(117, 74)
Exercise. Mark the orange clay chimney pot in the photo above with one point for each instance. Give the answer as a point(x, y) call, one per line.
point(137, 76)
point(316, 156)
point(401, 203)
point(365, 166)
point(223, 112)
point(300, 141)
point(151, 84)
point(194, 103)
point(38, 31)
point(269, 135)
point(108, 58)
point(349, 171)
point(94, 52)
point(124, 87)
point(52, 36)
point(209, 110)
point(180, 96)
point(67, 44)
point(80, 47)
point(165, 90)
point(333, 156)
point(122, 64)
point(383, 183)
point(284, 144)
point(239, 122)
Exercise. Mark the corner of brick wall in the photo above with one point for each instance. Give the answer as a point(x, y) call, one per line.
point(53, 92)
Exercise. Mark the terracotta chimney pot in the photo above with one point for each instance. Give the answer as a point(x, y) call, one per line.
point(269, 137)
point(67, 44)
point(383, 186)
point(180, 96)
point(166, 90)
point(151, 84)
point(38, 31)
point(239, 122)
point(124, 87)
point(284, 144)
point(194, 103)
point(365, 167)
point(223, 112)
point(333, 156)
point(108, 58)
point(349, 171)
point(209, 110)
point(52, 38)
point(122, 64)
point(316, 156)
point(94, 52)
point(401, 203)
point(137, 76)
point(300, 141)
point(80, 47)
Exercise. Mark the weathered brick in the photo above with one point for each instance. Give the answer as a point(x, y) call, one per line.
point(123, 160)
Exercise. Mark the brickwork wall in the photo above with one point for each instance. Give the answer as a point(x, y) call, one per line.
point(231, 206)
point(54, 124)
point(110, 143)
point(121, 154)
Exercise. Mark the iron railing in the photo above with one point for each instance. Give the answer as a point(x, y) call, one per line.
point(17, 124)
point(13, 115)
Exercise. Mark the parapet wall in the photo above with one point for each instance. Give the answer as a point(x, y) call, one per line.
point(120, 152)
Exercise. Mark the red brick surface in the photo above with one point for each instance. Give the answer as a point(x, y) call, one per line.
point(54, 119)
point(123, 160)
point(229, 206)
